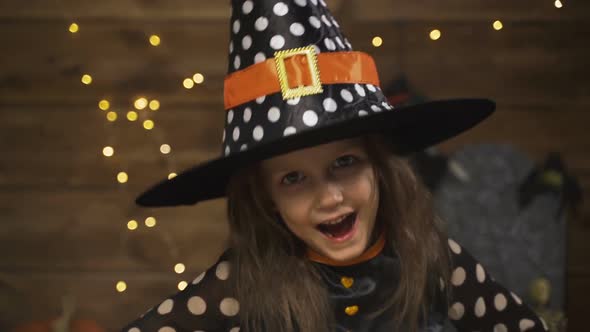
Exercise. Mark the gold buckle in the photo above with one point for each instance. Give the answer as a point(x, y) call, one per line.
point(302, 90)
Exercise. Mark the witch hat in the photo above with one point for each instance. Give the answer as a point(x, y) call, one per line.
point(293, 82)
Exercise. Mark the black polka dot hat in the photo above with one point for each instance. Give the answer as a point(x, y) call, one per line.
point(293, 82)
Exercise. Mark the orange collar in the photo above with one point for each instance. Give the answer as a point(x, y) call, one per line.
point(373, 251)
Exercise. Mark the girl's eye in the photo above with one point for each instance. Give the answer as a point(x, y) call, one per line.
point(344, 161)
point(292, 178)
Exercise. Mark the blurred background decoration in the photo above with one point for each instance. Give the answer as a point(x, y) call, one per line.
point(100, 99)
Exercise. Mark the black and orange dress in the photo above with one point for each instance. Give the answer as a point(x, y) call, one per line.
point(356, 288)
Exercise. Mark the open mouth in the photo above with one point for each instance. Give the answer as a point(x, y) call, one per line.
point(339, 229)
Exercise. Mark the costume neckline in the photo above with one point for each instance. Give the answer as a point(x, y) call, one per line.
point(370, 253)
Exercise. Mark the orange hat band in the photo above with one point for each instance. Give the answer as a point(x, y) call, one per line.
point(263, 78)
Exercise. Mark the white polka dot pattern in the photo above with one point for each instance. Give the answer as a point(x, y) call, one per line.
point(166, 329)
point(500, 328)
point(280, 9)
point(274, 114)
point(310, 118)
point(516, 298)
point(330, 105)
point(346, 95)
point(471, 288)
point(455, 248)
point(199, 278)
point(222, 270)
point(480, 273)
point(526, 324)
point(247, 114)
point(246, 42)
point(259, 57)
point(261, 23)
point(297, 29)
point(289, 131)
point(359, 89)
point(315, 22)
point(196, 305)
point(480, 307)
point(258, 133)
point(258, 121)
point(277, 42)
point(458, 276)
point(500, 302)
point(293, 101)
point(229, 306)
point(230, 116)
point(236, 133)
point(165, 307)
point(247, 7)
point(456, 311)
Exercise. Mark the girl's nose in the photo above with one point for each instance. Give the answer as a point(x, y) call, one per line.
point(330, 195)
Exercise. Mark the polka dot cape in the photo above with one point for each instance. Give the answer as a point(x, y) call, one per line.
point(477, 303)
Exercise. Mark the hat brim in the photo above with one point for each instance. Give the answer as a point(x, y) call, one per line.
point(411, 129)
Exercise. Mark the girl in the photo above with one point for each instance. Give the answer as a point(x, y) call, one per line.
point(330, 228)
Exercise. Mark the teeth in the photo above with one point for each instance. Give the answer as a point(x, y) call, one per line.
point(335, 221)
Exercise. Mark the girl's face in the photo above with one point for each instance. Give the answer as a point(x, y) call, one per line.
point(327, 195)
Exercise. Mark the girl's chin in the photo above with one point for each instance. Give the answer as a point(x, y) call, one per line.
point(345, 253)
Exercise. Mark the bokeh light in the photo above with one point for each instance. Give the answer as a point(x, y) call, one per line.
point(108, 151)
point(122, 177)
point(121, 286)
point(377, 41)
point(435, 34)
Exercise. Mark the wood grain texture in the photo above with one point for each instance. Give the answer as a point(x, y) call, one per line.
point(527, 62)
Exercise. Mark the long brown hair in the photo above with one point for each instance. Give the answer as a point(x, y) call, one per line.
point(280, 290)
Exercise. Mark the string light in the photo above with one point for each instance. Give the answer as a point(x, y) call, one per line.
point(104, 104)
point(198, 78)
point(155, 40)
point(131, 115)
point(148, 124)
point(150, 221)
point(108, 151)
point(112, 116)
point(179, 268)
point(140, 103)
point(122, 177)
point(154, 105)
point(377, 41)
point(165, 149)
point(74, 28)
point(498, 25)
point(182, 285)
point(435, 34)
point(558, 4)
point(188, 83)
point(132, 225)
point(121, 286)
point(86, 79)
point(171, 176)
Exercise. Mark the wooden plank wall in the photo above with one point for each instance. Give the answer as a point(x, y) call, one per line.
point(64, 215)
